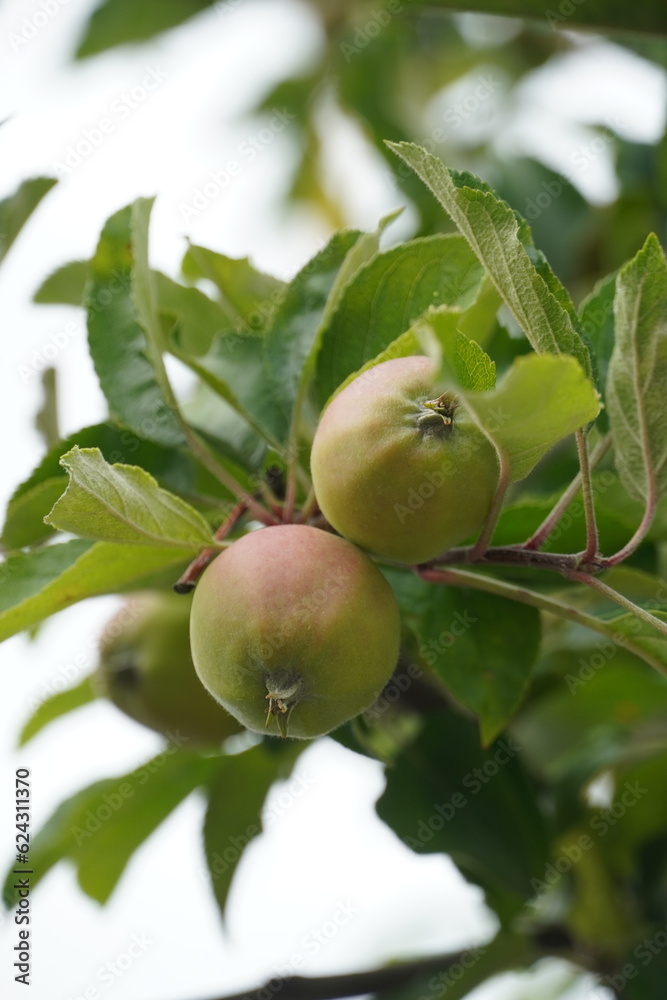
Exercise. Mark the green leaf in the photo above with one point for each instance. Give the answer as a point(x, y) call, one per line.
point(197, 318)
point(118, 344)
point(117, 22)
point(597, 717)
point(222, 389)
point(57, 705)
point(233, 396)
point(464, 358)
point(437, 333)
point(540, 401)
point(34, 498)
point(46, 418)
point(385, 297)
point(233, 817)
point(18, 207)
point(503, 243)
point(637, 376)
point(35, 585)
point(446, 794)
point(64, 286)
point(100, 827)
point(597, 326)
point(483, 648)
point(249, 297)
point(294, 336)
point(123, 503)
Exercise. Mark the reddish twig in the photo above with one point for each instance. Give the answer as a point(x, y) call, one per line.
point(188, 580)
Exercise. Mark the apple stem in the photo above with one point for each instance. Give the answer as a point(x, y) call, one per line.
point(188, 580)
point(482, 543)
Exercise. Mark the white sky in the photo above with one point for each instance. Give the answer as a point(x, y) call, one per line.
point(328, 843)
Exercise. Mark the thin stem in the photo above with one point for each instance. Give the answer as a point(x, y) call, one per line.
point(638, 536)
point(197, 445)
point(624, 602)
point(188, 580)
point(540, 536)
point(592, 540)
point(310, 507)
point(515, 555)
point(290, 490)
point(208, 459)
point(501, 588)
point(482, 543)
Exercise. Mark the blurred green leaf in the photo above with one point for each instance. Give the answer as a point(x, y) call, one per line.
point(233, 816)
point(196, 318)
point(248, 297)
point(64, 286)
point(117, 22)
point(18, 207)
point(100, 827)
point(57, 705)
point(483, 648)
point(447, 794)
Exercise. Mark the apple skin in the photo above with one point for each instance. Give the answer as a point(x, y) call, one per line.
point(300, 614)
point(146, 670)
point(391, 476)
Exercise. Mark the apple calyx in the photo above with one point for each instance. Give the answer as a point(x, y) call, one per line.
point(282, 698)
point(439, 413)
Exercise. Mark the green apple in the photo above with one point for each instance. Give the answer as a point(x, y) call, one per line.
point(399, 472)
point(294, 629)
point(146, 670)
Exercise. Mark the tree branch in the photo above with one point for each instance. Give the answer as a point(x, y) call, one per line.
point(476, 963)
